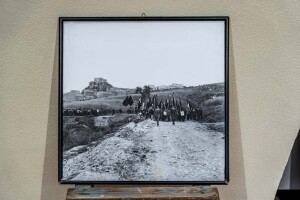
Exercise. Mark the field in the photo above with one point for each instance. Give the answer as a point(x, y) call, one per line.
point(211, 97)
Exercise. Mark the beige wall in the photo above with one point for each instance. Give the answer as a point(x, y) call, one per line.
point(264, 89)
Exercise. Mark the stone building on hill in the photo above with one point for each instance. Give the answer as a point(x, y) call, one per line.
point(88, 94)
point(100, 80)
point(99, 84)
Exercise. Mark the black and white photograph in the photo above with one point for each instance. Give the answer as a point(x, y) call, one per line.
point(143, 101)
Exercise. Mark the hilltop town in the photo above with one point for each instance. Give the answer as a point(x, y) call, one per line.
point(100, 87)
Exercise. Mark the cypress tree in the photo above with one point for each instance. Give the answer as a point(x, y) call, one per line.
point(130, 100)
point(126, 102)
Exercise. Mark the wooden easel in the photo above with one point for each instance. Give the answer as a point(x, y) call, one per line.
point(115, 192)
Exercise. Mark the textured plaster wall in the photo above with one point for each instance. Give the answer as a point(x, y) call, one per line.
point(264, 89)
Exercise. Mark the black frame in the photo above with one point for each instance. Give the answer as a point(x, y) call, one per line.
point(226, 82)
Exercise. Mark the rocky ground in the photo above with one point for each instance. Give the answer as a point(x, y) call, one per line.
point(187, 151)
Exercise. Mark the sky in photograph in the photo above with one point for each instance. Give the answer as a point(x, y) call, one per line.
point(131, 54)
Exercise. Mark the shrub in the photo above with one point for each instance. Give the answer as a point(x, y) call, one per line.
point(219, 127)
point(214, 102)
point(81, 133)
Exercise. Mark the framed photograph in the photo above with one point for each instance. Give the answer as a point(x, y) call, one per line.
point(143, 100)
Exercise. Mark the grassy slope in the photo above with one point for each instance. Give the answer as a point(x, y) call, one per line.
point(213, 108)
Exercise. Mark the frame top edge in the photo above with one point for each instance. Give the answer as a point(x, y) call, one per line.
point(154, 18)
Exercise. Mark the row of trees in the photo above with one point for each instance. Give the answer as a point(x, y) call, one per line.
point(145, 92)
point(128, 101)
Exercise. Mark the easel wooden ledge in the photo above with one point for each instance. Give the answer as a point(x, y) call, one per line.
point(139, 192)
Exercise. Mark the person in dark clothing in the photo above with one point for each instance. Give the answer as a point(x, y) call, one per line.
point(200, 114)
point(197, 114)
point(193, 114)
point(178, 117)
point(168, 115)
point(151, 111)
point(173, 114)
point(157, 114)
point(187, 113)
point(113, 112)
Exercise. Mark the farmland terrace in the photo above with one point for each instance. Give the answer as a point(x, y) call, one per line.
point(195, 95)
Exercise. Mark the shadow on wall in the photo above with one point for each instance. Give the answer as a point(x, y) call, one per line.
point(289, 186)
point(291, 176)
point(236, 189)
point(51, 189)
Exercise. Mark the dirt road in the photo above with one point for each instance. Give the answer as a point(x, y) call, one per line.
point(187, 151)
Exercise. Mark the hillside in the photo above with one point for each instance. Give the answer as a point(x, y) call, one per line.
point(70, 96)
point(211, 97)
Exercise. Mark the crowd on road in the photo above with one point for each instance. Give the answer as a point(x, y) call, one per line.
point(169, 109)
point(173, 114)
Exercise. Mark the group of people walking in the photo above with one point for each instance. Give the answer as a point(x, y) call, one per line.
point(173, 114)
point(86, 111)
point(169, 109)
